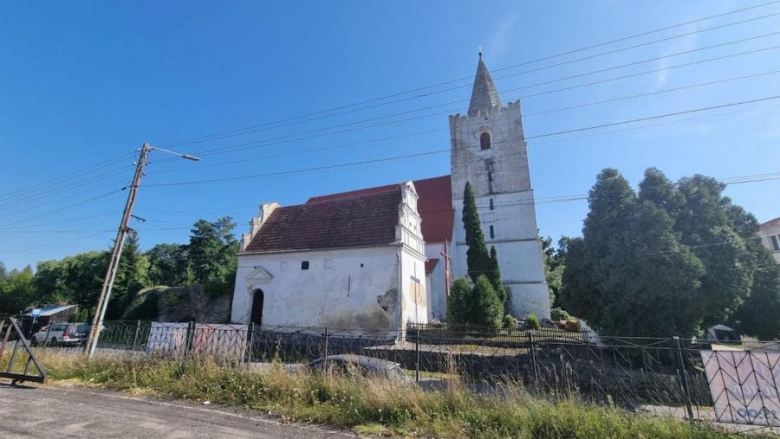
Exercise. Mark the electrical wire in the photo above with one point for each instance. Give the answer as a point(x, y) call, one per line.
point(318, 132)
point(417, 89)
point(440, 151)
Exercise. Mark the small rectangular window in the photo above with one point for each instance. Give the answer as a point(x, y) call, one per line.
point(491, 204)
point(305, 265)
point(492, 233)
point(775, 242)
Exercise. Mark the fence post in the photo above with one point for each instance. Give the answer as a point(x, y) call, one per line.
point(327, 340)
point(681, 375)
point(135, 337)
point(533, 357)
point(250, 341)
point(48, 332)
point(190, 337)
point(417, 355)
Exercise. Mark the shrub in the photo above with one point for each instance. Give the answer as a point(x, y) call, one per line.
point(487, 308)
point(509, 322)
point(532, 321)
point(459, 306)
point(558, 314)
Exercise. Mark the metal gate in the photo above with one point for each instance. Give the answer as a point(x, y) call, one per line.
point(22, 365)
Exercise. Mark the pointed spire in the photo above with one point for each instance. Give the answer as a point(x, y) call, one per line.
point(484, 96)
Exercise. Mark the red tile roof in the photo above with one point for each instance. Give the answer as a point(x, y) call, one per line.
point(770, 223)
point(430, 265)
point(434, 206)
point(358, 218)
point(365, 219)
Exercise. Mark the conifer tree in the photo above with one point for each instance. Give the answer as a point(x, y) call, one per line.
point(494, 275)
point(460, 304)
point(477, 256)
point(487, 311)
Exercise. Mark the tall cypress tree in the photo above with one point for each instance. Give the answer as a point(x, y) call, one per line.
point(477, 256)
point(494, 275)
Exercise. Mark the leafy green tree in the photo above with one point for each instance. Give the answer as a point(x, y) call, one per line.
point(131, 277)
point(17, 291)
point(168, 265)
point(661, 191)
point(579, 293)
point(212, 251)
point(488, 310)
point(758, 315)
point(460, 304)
point(494, 275)
point(554, 264)
point(629, 275)
point(74, 279)
point(477, 256)
point(705, 224)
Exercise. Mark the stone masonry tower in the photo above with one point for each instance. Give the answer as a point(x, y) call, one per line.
point(489, 150)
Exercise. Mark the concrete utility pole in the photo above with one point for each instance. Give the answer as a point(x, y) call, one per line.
point(113, 265)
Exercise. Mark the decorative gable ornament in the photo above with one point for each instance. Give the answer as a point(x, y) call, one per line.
point(258, 276)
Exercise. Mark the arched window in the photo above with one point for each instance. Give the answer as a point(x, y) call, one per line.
point(484, 141)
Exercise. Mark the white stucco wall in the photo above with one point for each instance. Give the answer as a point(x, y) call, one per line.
point(374, 288)
point(766, 232)
point(437, 282)
point(500, 176)
point(344, 289)
point(413, 289)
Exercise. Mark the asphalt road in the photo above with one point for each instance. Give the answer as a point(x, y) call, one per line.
point(46, 412)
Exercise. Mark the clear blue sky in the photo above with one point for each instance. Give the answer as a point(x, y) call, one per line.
point(85, 82)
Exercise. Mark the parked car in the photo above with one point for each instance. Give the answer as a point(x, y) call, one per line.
point(360, 364)
point(61, 334)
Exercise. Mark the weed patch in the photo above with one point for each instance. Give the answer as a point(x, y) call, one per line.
point(373, 406)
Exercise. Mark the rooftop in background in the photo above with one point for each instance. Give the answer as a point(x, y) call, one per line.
point(771, 223)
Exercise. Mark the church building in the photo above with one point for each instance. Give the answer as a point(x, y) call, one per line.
point(381, 258)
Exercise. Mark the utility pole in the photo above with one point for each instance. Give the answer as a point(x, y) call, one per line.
point(113, 265)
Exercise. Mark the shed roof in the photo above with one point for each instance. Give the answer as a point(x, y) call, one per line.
point(51, 310)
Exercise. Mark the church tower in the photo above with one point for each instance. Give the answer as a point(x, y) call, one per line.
point(489, 151)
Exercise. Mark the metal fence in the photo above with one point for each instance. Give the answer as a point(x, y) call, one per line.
point(665, 376)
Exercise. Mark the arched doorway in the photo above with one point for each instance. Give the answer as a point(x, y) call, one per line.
point(257, 307)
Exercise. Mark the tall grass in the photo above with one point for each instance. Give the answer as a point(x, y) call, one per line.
point(374, 405)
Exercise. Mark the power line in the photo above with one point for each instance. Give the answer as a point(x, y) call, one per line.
point(77, 173)
point(562, 54)
point(393, 158)
point(81, 203)
point(80, 171)
point(364, 142)
point(317, 133)
point(442, 151)
point(58, 191)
